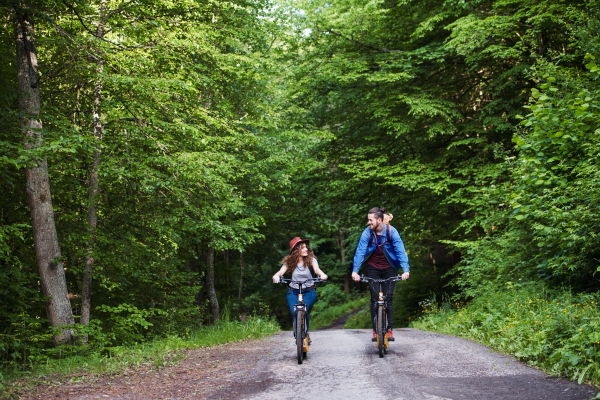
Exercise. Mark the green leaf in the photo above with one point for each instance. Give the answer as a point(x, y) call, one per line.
point(592, 66)
point(518, 140)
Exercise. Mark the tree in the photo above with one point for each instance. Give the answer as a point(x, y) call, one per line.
point(210, 283)
point(154, 121)
point(45, 237)
point(94, 187)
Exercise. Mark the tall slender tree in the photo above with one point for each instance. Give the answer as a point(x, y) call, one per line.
point(226, 265)
point(94, 186)
point(210, 283)
point(47, 248)
point(241, 280)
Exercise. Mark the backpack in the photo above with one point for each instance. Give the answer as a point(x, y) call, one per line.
point(388, 236)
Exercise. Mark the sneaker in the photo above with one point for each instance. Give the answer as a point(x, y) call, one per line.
point(374, 339)
point(390, 335)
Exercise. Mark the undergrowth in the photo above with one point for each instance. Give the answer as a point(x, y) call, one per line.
point(556, 331)
point(327, 316)
point(360, 320)
point(157, 353)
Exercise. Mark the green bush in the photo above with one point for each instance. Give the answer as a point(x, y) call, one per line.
point(555, 330)
point(128, 322)
point(29, 340)
point(328, 296)
point(24, 343)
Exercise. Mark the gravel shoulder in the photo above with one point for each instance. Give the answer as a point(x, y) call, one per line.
point(341, 364)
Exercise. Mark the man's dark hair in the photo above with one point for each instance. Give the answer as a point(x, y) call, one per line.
point(378, 212)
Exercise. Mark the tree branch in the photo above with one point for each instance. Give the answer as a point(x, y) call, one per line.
point(372, 47)
point(94, 34)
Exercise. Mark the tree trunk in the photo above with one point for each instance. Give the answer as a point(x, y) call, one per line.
point(45, 238)
point(210, 284)
point(540, 44)
point(226, 262)
point(200, 281)
point(94, 188)
point(343, 256)
point(241, 280)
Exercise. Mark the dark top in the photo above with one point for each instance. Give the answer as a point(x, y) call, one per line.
point(377, 259)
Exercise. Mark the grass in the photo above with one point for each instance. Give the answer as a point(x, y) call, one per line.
point(158, 353)
point(554, 330)
point(360, 320)
point(329, 315)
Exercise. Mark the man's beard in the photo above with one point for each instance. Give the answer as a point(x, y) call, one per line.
point(375, 228)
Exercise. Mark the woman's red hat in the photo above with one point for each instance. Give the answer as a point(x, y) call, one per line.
point(297, 240)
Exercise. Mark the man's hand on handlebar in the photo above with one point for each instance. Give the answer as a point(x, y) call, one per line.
point(356, 277)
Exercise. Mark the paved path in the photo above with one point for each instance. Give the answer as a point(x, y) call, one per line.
point(344, 364)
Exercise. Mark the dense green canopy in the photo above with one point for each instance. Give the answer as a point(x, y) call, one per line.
point(225, 129)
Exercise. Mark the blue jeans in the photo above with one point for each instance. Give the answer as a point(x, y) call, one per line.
point(310, 297)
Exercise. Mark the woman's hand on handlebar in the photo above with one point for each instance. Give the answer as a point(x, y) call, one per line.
point(276, 278)
point(323, 277)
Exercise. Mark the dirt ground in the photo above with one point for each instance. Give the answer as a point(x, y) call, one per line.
point(201, 374)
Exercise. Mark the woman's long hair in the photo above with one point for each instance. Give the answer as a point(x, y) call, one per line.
point(292, 259)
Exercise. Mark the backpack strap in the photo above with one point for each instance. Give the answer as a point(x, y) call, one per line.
point(311, 269)
point(388, 235)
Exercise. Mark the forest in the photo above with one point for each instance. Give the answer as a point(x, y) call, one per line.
point(157, 157)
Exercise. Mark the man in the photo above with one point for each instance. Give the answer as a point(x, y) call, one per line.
point(383, 254)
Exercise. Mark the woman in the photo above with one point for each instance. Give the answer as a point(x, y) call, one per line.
point(387, 218)
point(301, 263)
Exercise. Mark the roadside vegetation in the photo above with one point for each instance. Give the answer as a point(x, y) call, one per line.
point(555, 330)
point(97, 358)
point(531, 279)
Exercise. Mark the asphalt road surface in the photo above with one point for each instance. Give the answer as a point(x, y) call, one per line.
point(345, 364)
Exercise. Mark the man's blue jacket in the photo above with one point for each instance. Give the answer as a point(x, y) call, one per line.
point(394, 251)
